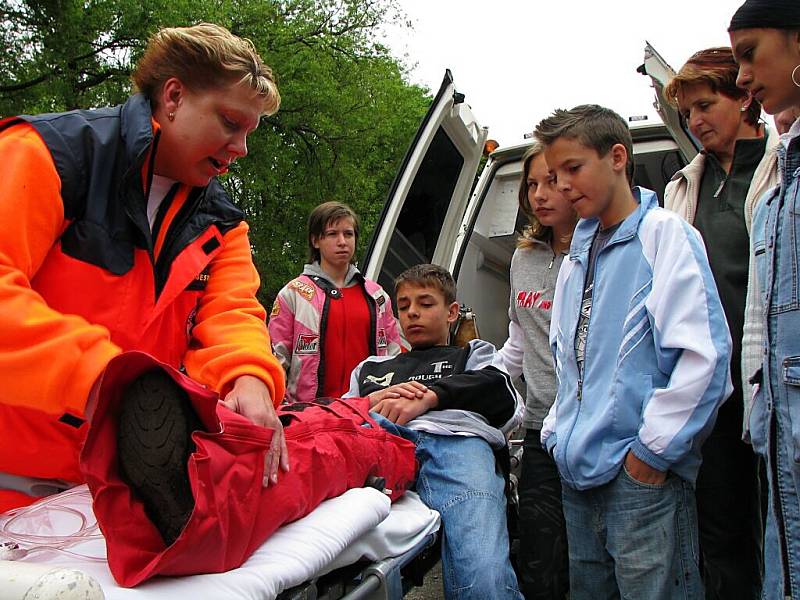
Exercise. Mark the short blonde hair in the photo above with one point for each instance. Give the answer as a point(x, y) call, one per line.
point(204, 56)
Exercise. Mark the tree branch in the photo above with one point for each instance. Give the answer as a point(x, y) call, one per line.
point(7, 89)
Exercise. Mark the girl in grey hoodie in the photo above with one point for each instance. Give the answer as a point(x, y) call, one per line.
point(542, 565)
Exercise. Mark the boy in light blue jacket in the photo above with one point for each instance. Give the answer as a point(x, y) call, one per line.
point(642, 355)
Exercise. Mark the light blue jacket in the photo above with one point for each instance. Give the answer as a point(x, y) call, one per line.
point(657, 363)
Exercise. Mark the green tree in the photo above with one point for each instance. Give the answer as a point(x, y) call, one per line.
point(347, 112)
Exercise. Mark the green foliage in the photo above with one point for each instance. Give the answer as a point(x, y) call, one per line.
point(347, 113)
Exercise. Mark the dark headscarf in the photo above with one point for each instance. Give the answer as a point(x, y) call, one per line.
point(767, 14)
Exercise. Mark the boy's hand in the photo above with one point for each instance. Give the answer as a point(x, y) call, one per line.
point(250, 398)
point(403, 409)
point(642, 472)
point(410, 390)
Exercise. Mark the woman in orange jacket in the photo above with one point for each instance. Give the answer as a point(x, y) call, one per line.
point(116, 236)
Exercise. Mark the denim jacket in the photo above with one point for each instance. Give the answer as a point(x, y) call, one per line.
point(776, 249)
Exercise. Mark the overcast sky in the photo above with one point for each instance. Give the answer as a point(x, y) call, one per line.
point(516, 60)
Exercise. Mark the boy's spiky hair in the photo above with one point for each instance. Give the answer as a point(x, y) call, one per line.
point(429, 276)
point(593, 126)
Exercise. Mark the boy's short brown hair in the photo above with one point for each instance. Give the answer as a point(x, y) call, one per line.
point(432, 276)
point(204, 56)
point(326, 214)
point(594, 126)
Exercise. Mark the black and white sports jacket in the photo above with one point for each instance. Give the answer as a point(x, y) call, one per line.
point(476, 396)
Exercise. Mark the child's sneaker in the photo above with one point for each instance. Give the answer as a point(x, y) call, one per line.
point(154, 442)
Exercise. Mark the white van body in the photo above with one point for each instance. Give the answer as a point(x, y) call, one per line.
point(437, 213)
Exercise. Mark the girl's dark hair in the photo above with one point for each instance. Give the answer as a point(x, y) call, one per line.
point(326, 214)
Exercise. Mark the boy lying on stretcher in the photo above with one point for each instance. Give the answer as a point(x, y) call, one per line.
point(455, 404)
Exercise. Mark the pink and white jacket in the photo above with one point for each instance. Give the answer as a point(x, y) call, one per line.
point(297, 331)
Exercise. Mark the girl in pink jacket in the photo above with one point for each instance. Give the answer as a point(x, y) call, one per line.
point(330, 318)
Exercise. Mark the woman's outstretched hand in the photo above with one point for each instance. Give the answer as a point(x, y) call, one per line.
point(250, 398)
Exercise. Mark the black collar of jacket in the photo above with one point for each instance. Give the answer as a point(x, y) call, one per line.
point(99, 155)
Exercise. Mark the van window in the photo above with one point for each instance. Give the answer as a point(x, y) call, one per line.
point(420, 221)
point(655, 163)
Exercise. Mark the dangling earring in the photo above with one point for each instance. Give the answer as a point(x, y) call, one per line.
point(794, 80)
point(171, 116)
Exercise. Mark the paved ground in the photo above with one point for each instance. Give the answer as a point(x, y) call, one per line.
point(431, 588)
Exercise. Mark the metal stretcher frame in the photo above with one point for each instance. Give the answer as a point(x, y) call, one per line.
point(387, 573)
point(391, 578)
point(387, 579)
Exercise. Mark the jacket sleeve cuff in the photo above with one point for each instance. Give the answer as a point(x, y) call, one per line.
point(444, 400)
point(649, 457)
point(270, 374)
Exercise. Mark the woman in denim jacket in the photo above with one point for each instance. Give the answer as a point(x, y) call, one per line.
point(765, 36)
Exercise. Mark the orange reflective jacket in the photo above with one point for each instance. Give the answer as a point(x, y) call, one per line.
point(81, 280)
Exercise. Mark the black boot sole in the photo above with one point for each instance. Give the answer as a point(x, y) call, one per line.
point(376, 482)
point(154, 445)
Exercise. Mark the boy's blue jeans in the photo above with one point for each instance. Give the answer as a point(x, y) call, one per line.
point(458, 478)
point(634, 540)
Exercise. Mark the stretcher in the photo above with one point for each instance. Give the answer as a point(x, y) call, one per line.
point(353, 546)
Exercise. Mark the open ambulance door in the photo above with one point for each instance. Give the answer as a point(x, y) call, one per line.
point(422, 214)
point(660, 73)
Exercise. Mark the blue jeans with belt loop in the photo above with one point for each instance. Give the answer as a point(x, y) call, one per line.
point(459, 478)
point(633, 540)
